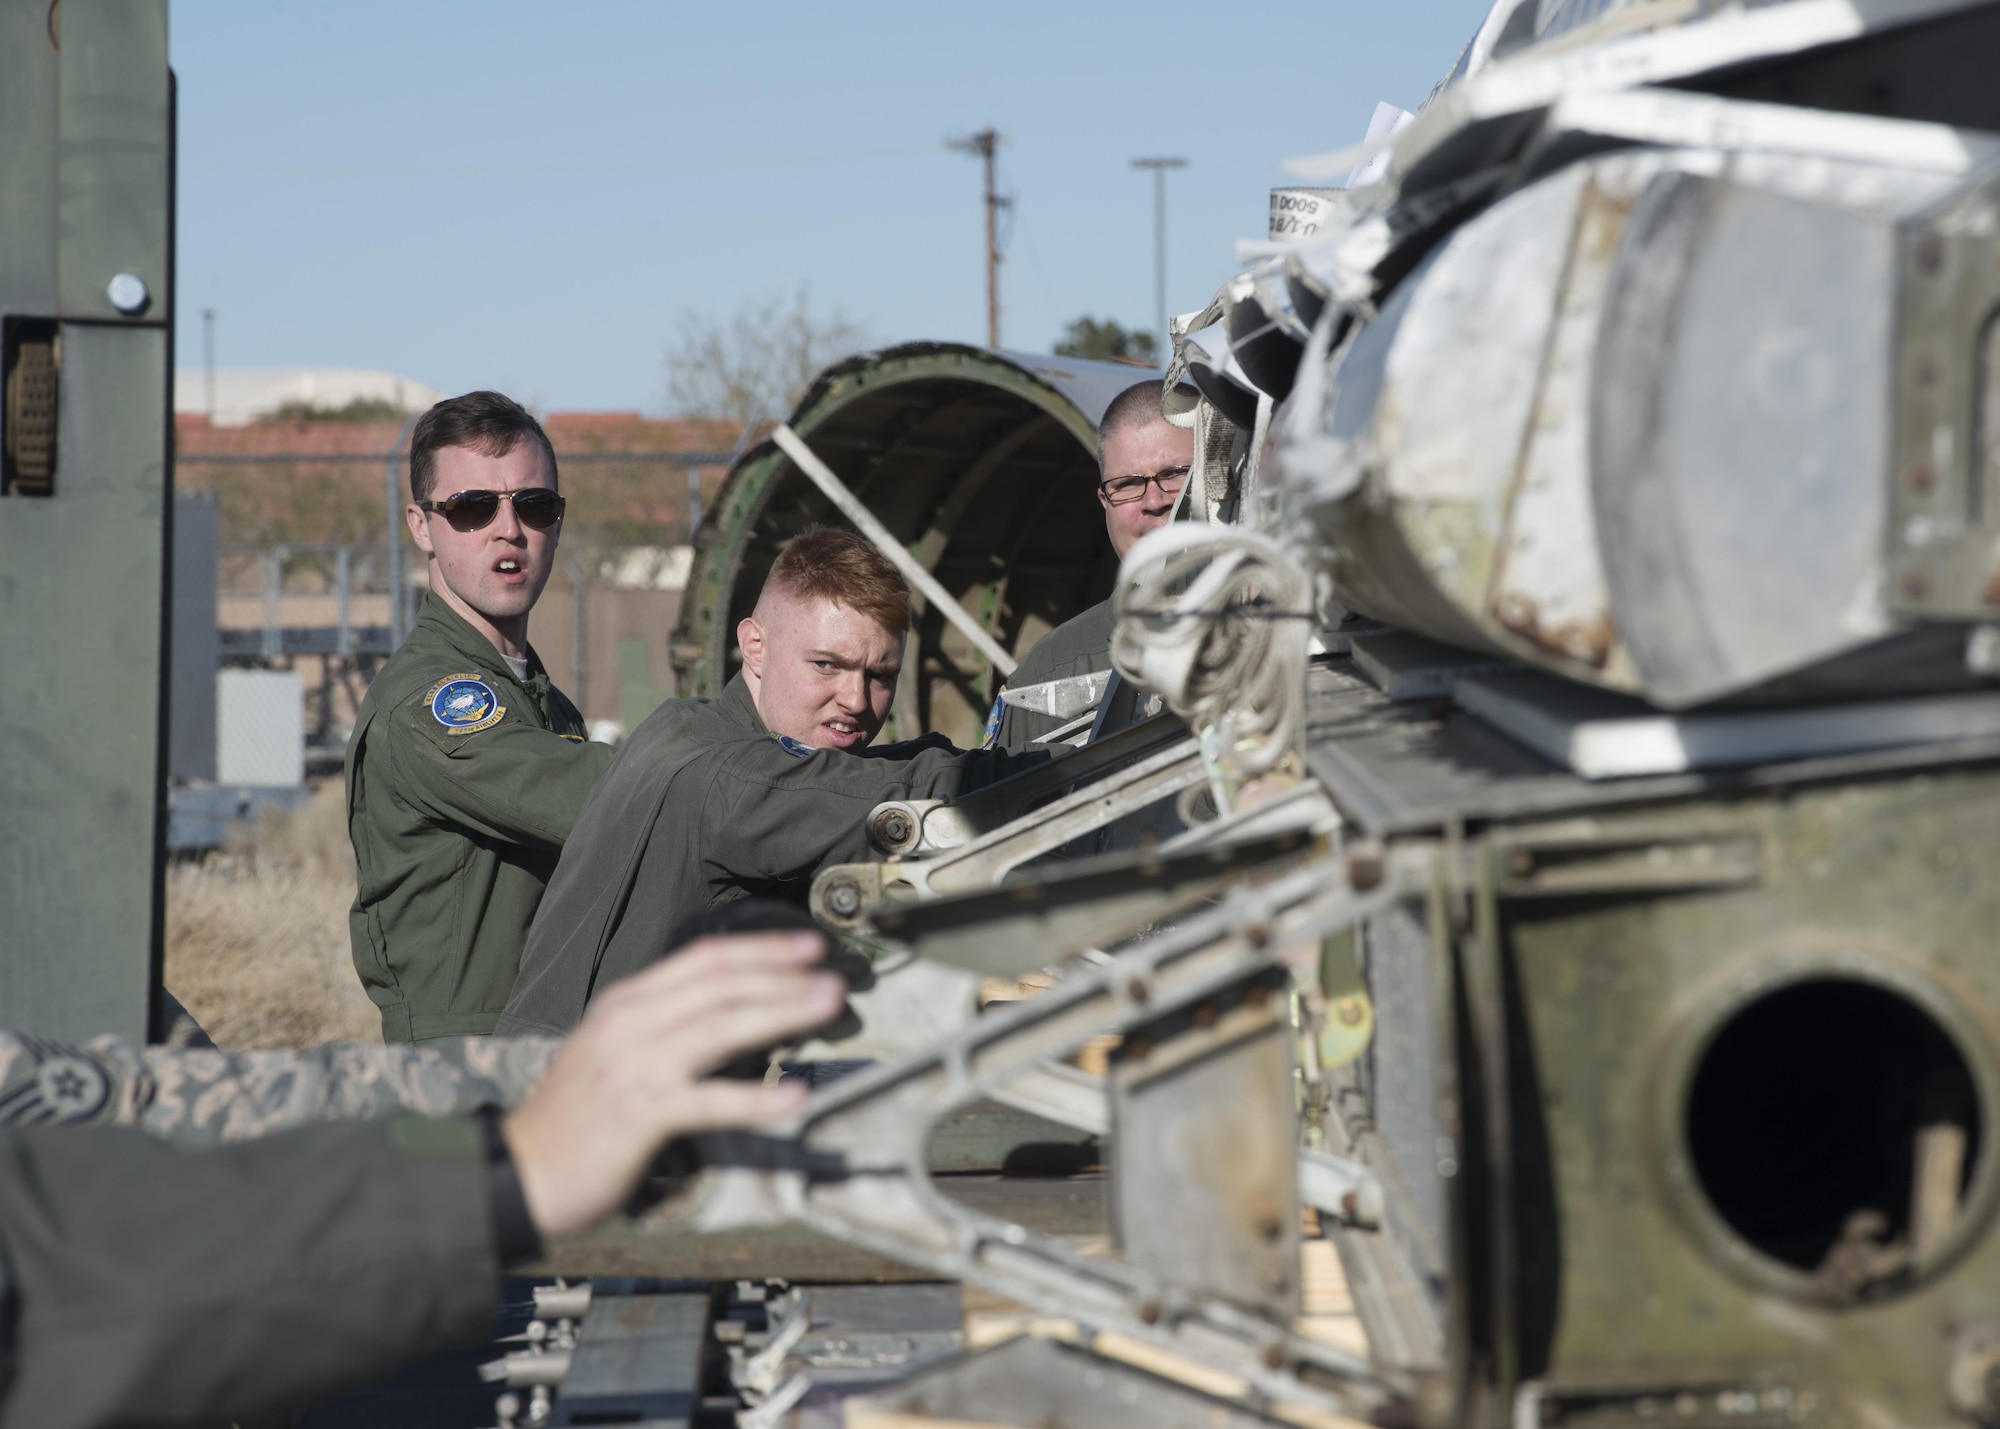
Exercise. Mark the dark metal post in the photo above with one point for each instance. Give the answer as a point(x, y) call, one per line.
point(579, 680)
point(273, 582)
point(342, 563)
point(985, 144)
point(208, 362)
point(398, 609)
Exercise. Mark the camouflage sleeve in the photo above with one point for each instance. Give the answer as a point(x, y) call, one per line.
point(198, 1097)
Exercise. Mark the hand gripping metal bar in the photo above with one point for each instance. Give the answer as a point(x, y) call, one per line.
point(844, 893)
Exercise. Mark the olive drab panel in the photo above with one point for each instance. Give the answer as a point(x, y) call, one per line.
point(86, 322)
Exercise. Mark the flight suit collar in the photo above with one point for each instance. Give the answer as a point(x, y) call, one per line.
point(737, 703)
point(439, 621)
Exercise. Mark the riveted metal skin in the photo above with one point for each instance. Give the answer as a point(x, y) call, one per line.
point(86, 492)
point(984, 462)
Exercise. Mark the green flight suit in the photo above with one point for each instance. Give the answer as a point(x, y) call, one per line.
point(462, 783)
point(1081, 645)
point(703, 805)
point(143, 1285)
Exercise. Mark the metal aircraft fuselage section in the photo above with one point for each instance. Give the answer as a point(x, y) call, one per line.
point(983, 463)
point(86, 301)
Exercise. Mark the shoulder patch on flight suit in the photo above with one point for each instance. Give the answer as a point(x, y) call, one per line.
point(57, 1084)
point(794, 746)
point(464, 704)
point(993, 717)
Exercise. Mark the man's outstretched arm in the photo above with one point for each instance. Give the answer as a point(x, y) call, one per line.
point(138, 1283)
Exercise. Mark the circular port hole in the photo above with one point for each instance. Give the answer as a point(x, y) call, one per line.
point(1834, 1125)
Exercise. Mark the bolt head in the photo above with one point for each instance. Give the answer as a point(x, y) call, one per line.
point(127, 293)
point(844, 899)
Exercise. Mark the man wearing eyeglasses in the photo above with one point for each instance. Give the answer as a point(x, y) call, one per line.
point(467, 766)
point(1142, 462)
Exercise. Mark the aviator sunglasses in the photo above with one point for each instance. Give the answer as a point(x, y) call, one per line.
point(537, 508)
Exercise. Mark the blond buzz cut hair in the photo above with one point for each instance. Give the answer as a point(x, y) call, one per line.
point(827, 563)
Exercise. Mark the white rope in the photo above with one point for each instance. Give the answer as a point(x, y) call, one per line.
point(864, 521)
point(1215, 620)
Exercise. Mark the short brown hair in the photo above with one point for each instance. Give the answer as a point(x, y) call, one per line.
point(1137, 405)
point(826, 563)
point(488, 422)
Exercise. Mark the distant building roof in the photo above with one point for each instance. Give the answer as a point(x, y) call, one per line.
point(244, 394)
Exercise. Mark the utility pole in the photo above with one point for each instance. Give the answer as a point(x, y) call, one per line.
point(985, 144)
point(1159, 168)
point(208, 362)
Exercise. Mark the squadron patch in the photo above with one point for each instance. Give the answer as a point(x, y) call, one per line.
point(993, 717)
point(464, 704)
point(792, 746)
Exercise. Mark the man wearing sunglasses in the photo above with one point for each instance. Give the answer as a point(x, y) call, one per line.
point(1142, 462)
point(467, 766)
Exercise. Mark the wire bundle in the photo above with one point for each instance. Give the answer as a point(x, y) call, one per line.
point(1215, 620)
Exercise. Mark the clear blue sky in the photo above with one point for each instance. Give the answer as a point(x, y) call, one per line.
point(525, 196)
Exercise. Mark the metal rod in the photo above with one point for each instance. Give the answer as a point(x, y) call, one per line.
point(1159, 168)
point(397, 628)
point(984, 145)
point(208, 362)
point(342, 568)
point(274, 597)
point(992, 245)
point(579, 664)
point(913, 571)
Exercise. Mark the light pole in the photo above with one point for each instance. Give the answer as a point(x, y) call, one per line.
point(1159, 168)
point(208, 362)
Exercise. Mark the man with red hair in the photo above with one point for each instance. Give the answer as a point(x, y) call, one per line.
point(750, 794)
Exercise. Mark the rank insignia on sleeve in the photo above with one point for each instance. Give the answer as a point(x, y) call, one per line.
point(464, 703)
point(794, 746)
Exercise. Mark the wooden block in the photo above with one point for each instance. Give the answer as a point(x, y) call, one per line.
point(1322, 1280)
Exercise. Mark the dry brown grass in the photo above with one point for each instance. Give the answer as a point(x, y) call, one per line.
point(257, 934)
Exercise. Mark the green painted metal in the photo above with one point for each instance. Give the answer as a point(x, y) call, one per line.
point(919, 432)
point(86, 175)
point(1597, 964)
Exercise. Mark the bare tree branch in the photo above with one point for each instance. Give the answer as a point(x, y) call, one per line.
point(756, 365)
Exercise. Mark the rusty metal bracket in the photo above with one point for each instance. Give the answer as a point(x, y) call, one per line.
point(854, 1164)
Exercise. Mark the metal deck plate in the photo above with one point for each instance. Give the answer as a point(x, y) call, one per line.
point(637, 1361)
point(1412, 766)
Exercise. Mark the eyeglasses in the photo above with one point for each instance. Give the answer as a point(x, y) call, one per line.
point(1121, 489)
point(538, 508)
